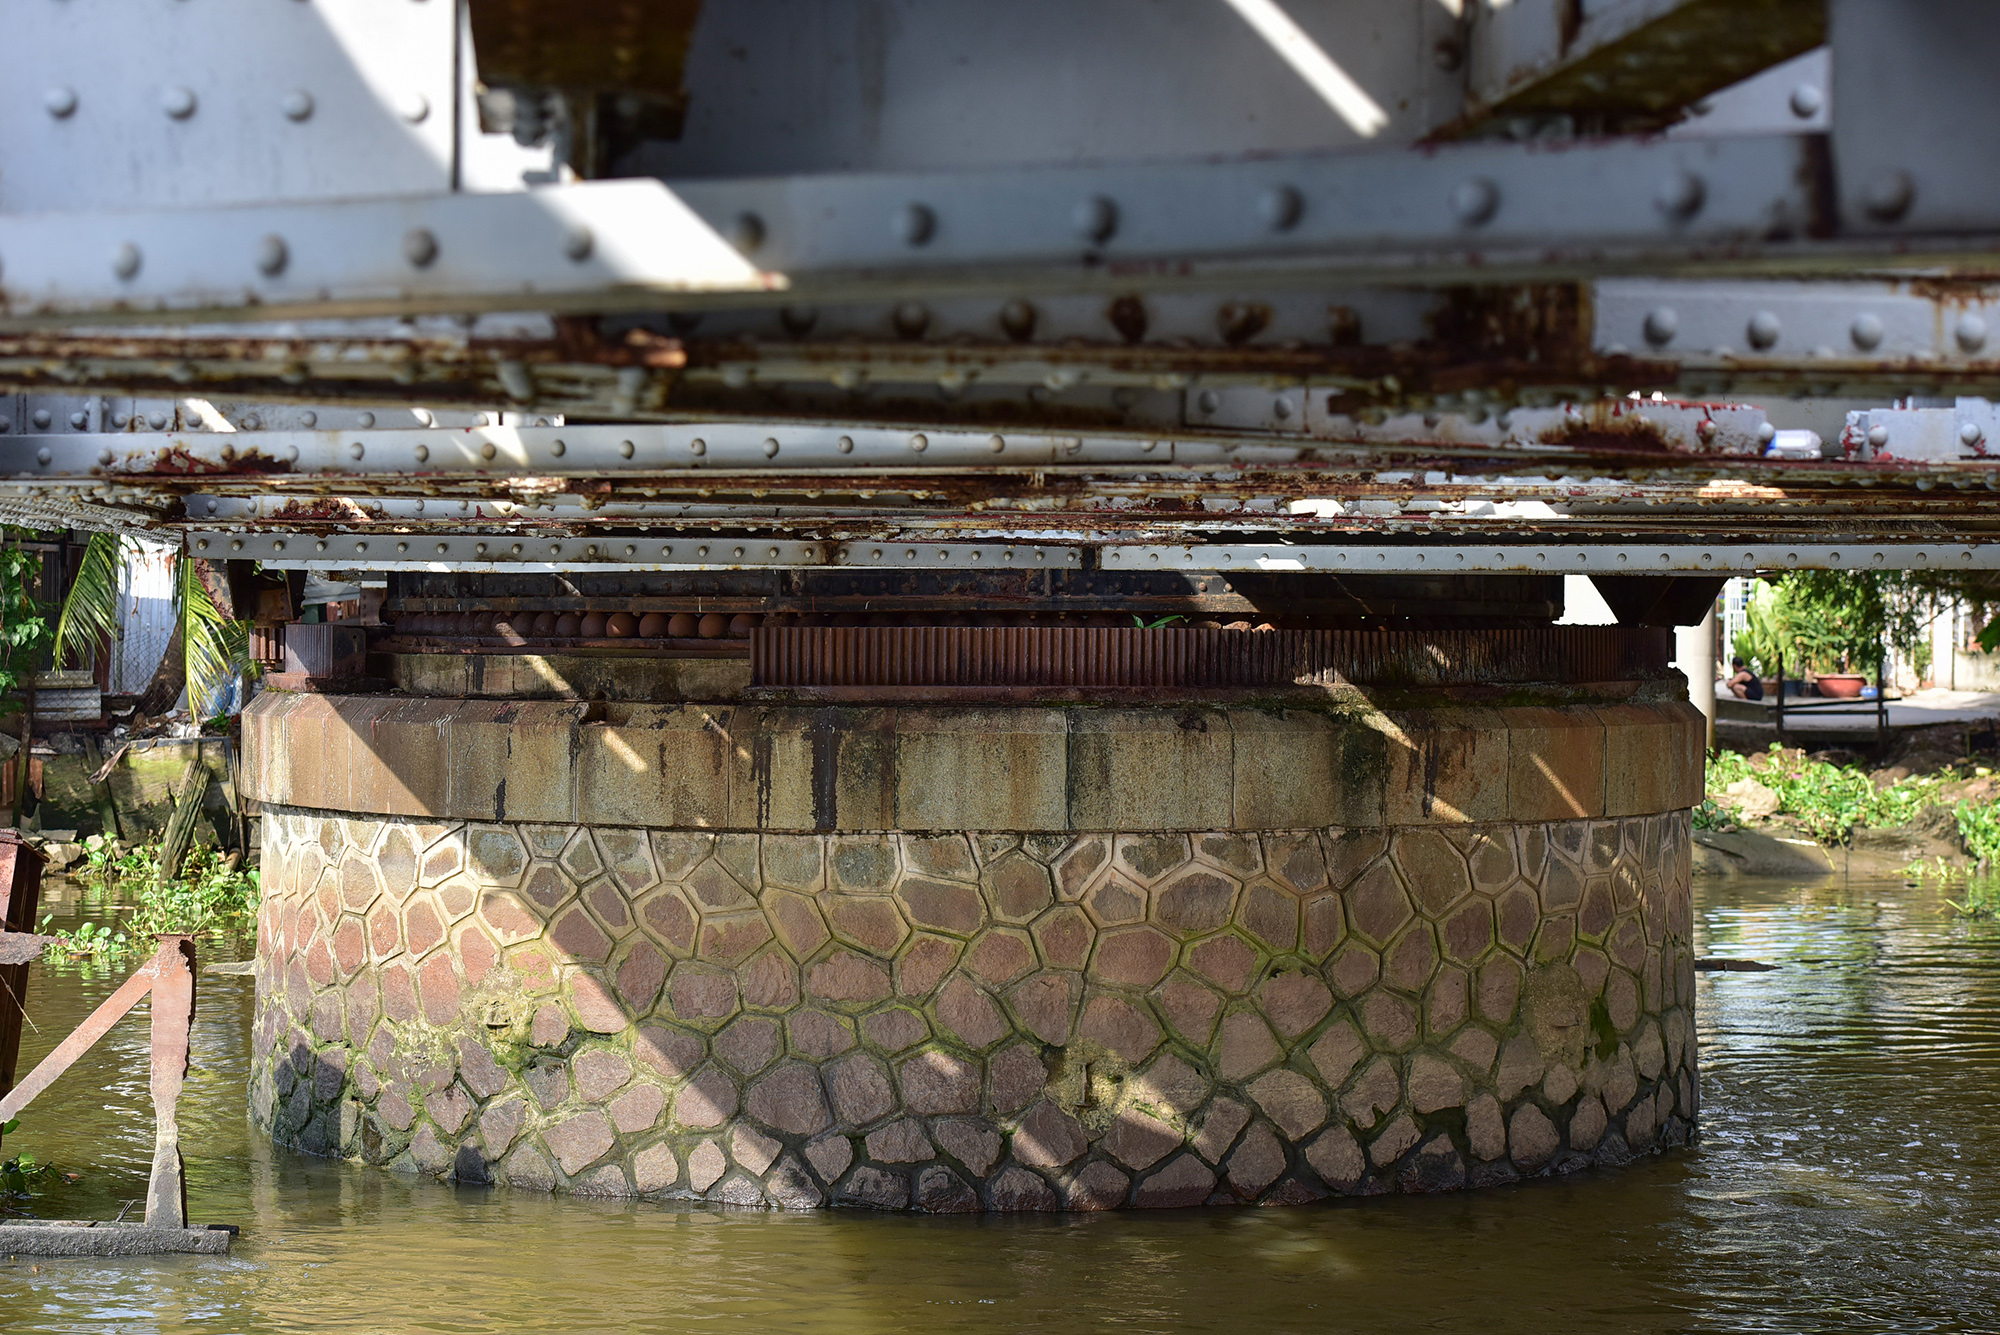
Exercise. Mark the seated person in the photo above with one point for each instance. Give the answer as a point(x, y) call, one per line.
point(1743, 683)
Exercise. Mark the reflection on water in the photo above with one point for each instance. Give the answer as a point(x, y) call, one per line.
point(1848, 1178)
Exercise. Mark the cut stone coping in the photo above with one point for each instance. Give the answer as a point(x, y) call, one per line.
point(1020, 768)
point(83, 1237)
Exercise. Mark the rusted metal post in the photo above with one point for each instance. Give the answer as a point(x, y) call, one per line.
point(173, 1017)
point(20, 897)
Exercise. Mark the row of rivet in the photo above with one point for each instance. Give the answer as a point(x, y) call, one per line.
point(1662, 323)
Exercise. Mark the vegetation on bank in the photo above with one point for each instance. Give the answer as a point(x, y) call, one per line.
point(211, 897)
point(1828, 802)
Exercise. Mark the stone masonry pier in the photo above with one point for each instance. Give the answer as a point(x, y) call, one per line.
point(974, 958)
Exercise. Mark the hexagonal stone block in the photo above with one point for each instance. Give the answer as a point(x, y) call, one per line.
point(1518, 916)
point(715, 890)
point(943, 906)
point(796, 920)
point(494, 855)
point(666, 915)
point(1433, 869)
point(1148, 857)
point(1270, 913)
point(948, 856)
point(701, 993)
point(864, 864)
point(1295, 1001)
point(1000, 955)
point(1189, 1007)
point(1045, 1005)
point(770, 981)
point(1115, 900)
point(580, 857)
point(1079, 866)
point(847, 979)
point(578, 937)
point(639, 975)
point(1244, 1046)
point(476, 952)
point(870, 922)
point(923, 965)
point(729, 938)
point(1018, 888)
point(423, 925)
point(546, 888)
point(966, 1012)
point(1132, 957)
point(1377, 905)
point(1064, 935)
point(628, 859)
point(1410, 959)
point(1194, 901)
point(1233, 852)
point(358, 883)
point(396, 862)
point(385, 929)
point(1117, 1024)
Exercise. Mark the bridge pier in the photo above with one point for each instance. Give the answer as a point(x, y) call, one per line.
point(1407, 912)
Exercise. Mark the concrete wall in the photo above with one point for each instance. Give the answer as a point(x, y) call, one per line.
point(1151, 983)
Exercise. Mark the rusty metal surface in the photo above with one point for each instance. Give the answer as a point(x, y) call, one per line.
point(172, 1019)
point(1089, 657)
point(20, 948)
point(109, 1012)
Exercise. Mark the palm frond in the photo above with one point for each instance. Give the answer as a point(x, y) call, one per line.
point(90, 610)
point(215, 647)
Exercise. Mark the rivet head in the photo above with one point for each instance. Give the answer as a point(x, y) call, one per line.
point(746, 232)
point(845, 444)
point(178, 102)
point(125, 261)
point(1764, 330)
point(423, 453)
point(42, 417)
point(1680, 195)
point(916, 224)
point(1970, 331)
point(1867, 331)
point(919, 442)
point(60, 102)
point(298, 105)
point(414, 108)
point(1095, 219)
point(236, 544)
point(104, 458)
point(1889, 195)
point(996, 443)
point(201, 544)
point(557, 448)
point(79, 419)
point(1661, 325)
point(626, 449)
point(420, 246)
point(1475, 201)
point(487, 449)
point(443, 547)
point(44, 455)
point(697, 446)
point(1878, 435)
point(356, 450)
point(1281, 207)
point(770, 447)
point(1969, 433)
point(578, 243)
point(277, 544)
point(1806, 101)
point(272, 256)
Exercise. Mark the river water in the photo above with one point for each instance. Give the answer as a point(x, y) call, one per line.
point(1847, 1178)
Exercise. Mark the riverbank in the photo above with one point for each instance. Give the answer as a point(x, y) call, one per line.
point(1781, 812)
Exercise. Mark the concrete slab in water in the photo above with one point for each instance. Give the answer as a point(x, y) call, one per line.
point(83, 1237)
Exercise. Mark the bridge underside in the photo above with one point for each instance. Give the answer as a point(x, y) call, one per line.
point(987, 639)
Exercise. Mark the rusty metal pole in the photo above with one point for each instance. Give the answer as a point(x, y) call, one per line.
point(173, 1017)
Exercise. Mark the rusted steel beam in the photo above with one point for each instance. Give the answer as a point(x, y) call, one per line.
point(173, 1017)
point(111, 1010)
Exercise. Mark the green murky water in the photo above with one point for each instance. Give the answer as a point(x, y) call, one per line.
point(1848, 1178)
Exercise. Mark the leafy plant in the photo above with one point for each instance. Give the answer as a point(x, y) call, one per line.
point(213, 647)
point(1834, 620)
point(24, 627)
point(1828, 801)
point(210, 897)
